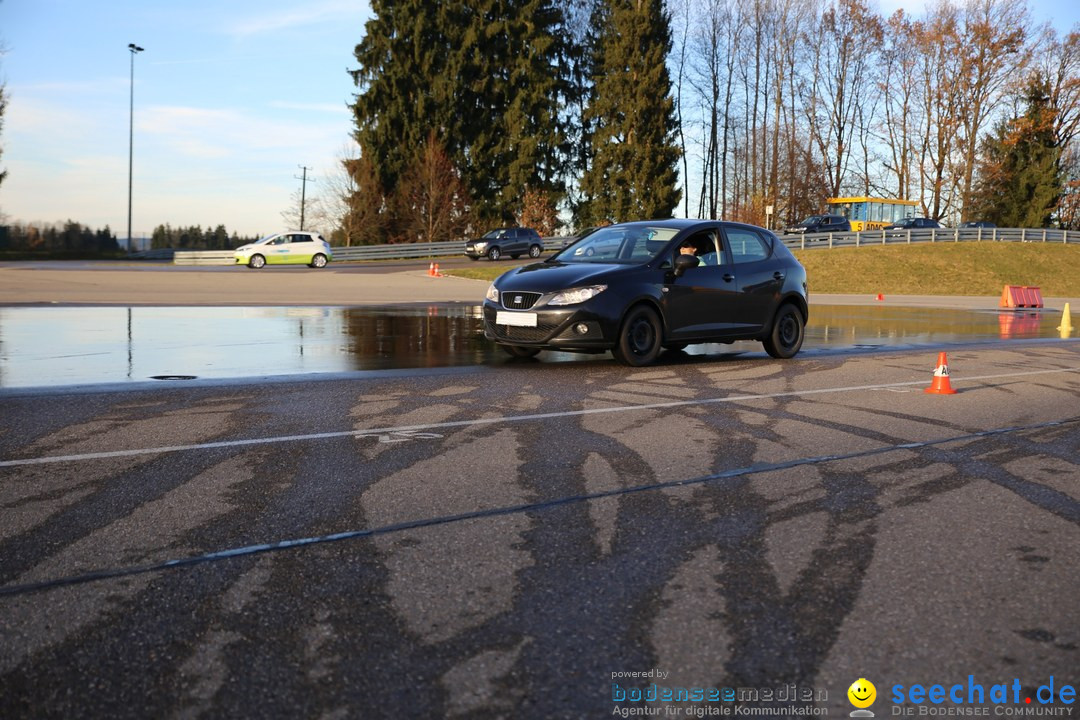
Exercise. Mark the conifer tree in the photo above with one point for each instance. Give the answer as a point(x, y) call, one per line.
point(402, 59)
point(483, 75)
point(634, 167)
point(1020, 177)
point(583, 56)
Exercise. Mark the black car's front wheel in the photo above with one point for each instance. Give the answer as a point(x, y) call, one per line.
point(494, 254)
point(786, 337)
point(640, 337)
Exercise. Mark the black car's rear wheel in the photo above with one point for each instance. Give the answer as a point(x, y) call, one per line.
point(534, 251)
point(786, 337)
point(520, 351)
point(640, 337)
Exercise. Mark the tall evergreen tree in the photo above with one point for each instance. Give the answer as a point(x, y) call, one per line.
point(402, 71)
point(634, 172)
point(505, 133)
point(483, 75)
point(583, 57)
point(1020, 176)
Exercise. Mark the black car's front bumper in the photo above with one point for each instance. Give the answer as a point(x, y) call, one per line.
point(557, 328)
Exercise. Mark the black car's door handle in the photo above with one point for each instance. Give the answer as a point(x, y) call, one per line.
point(728, 277)
point(778, 275)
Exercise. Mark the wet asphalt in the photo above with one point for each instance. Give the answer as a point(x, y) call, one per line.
point(531, 539)
point(504, 542)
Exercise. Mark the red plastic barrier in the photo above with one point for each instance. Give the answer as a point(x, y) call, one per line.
point(1021, 296)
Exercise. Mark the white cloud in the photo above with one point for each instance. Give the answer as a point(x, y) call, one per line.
point(248, 137)
point(337, 108)
point(311, 14)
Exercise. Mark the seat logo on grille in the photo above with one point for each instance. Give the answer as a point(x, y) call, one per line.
point(518, 299)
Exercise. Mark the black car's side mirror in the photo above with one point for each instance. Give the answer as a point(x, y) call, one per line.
point(684, 263)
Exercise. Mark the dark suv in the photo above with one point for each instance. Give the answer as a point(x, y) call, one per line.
point(914, 224)
point(515, 242)
point(820, 224)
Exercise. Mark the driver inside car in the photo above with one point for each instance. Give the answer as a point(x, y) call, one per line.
point(703, 248)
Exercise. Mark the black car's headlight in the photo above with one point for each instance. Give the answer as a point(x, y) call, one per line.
point(492, 293)
point(577, 295)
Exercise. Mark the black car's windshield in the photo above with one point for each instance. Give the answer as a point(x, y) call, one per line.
point(812, 220)
point(618, 244)
point(495, 234)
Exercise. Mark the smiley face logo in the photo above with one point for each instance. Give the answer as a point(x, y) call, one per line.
point(862, 693)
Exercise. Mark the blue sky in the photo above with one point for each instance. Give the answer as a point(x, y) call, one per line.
point(231, 97)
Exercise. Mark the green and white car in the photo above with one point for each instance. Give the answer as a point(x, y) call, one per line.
point(288, 248)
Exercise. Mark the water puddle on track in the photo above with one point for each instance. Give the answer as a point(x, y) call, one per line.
point(59, 346)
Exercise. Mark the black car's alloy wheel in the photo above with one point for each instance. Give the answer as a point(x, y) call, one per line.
point(786, 337)
point(494, 253)
point(534, 251)
point(640, 338)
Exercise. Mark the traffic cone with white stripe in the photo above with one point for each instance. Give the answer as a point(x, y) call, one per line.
point(940, 385)
point(431, 269)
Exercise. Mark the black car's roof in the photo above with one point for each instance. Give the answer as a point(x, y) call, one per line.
point(684, 223)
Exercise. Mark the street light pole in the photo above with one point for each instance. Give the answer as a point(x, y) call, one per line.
point(133, 48)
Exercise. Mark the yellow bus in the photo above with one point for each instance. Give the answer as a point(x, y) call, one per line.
point(867, 213)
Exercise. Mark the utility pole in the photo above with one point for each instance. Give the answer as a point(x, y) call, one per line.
point(303, 191)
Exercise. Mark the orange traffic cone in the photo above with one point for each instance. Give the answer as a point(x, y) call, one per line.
point(431, 269)
point(940, 385)
point(437, 273)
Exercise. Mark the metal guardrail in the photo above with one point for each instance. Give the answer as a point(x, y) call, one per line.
point(399, 251)
point(889, 237)
point(455, 248)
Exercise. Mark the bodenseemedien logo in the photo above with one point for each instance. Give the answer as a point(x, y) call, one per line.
point(862, 694)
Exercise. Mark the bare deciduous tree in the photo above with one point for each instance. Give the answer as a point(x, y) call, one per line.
point(992, 41)
point(431, 204)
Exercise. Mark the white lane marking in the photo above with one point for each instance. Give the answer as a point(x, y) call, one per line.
point(496, 420)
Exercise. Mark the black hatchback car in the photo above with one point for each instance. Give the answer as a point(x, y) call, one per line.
point(639, 287)
point(913, 223)
point(820, 224)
